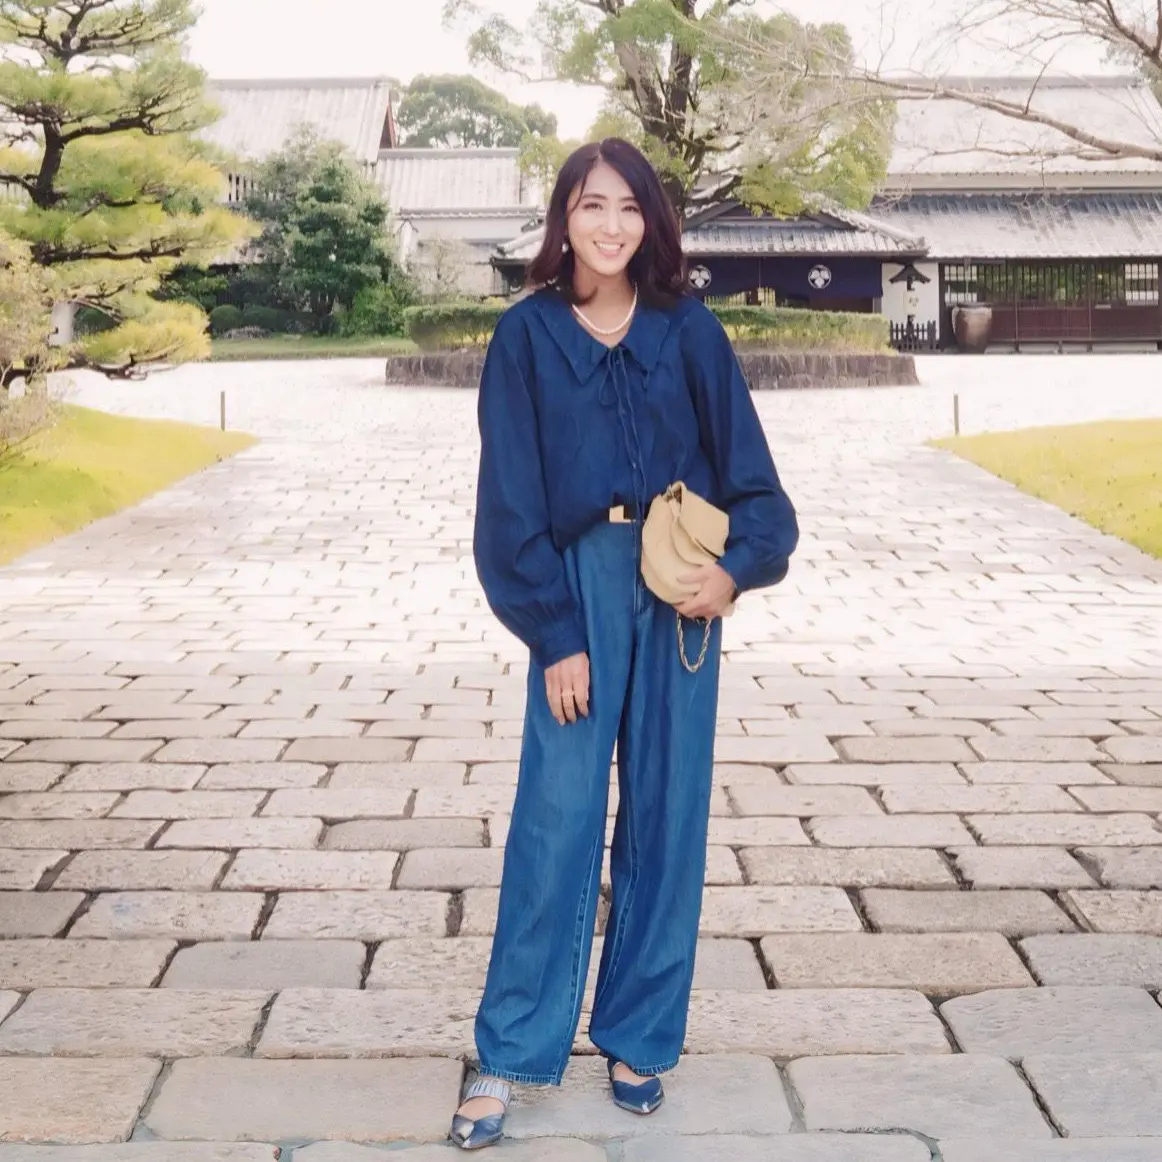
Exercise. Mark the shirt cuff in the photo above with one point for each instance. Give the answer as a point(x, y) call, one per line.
point(561, 641)
point(738, 561)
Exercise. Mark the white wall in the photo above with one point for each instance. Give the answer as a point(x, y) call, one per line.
point(925, 296)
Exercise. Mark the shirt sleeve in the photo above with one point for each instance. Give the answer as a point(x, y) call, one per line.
point(518, 564)
point(764, 530)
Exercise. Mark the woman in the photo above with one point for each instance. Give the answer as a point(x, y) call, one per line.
point(599, 391)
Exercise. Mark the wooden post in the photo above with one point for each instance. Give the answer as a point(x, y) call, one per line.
point(956, 413)
point(222, 409)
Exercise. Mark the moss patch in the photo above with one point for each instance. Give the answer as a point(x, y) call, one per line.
point(1108, 474)
point(306, 347)
point(90, 465)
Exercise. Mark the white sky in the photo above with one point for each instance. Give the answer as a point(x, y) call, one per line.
point(401, 38)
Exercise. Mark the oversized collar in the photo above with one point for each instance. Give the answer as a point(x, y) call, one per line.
point(647, 333)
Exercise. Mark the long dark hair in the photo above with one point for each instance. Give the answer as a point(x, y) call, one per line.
point(658, 269)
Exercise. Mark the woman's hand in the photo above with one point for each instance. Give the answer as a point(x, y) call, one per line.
point(567, 687)
point(715, 593)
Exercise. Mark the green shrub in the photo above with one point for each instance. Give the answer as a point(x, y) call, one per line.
point(91, 321)
point(377, 310)
point(267, 319)
point(225, 318)
point(793, 329)
point(450, 325)
point(447, 326)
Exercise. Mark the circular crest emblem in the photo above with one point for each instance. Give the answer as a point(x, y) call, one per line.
point(699, 278)
point(819, 276)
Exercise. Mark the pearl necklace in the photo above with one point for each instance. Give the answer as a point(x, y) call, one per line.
point(612, 330)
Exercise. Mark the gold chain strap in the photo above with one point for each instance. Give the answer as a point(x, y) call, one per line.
point(694, 667)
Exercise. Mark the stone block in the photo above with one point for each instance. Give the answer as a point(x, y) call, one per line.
point(1104, 799)
point(55, 1100)
point(56, 805)
point(935, 1096)
point(756, 911)
point(262, 776)
point(85, 964)
point(379, 1023)
point(451, 868)
point(332, 806)
point(243, 1099)
point(369, 916)
point(272, 870)
point(1029, 773)
point(133, 777)
point(997, 748)
point(804, 801)
point(937, 965)
point(243, 833)
point(757, 831)
point(30, 776)
point(124, 871)
point(1100, 1094)
point(404, 834)
point(970, 800)
point(410, 776)
point(36, 913)
point(1052, 868)
point(1116, 867)
point(189, 805)
point(732, 1094)
point(895, 867)
point(534, 1150)
point(1134, 750)
point(874, 774)
point(805, 1022)
point(1059, 1150)
point(1091, 959)
point(792, 1148)
point(1130, 911)
point(1013, 913)
point(1018, 1023)
point(77, 834)
point(22, 870)
point(1062, 830)
point(889, 831)
point(904, 750)
point(171, 915)
point(268, 965)
point(131, 1023)
point(143, 1151)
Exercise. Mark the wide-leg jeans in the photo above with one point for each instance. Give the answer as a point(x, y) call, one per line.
point(662, 718)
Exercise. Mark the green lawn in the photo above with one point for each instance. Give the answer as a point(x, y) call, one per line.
point(307, 347)
point(90, 465)
point(1108, 474)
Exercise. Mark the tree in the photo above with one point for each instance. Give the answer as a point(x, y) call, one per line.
point(324, 226)
point(108, 186)
point(461, 112)
point(675, 74)
point(25, 330)
point(1031, 34)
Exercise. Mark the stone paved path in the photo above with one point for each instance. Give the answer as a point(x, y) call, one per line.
point(258, 748)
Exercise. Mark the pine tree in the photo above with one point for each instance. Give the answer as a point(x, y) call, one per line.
point(101, 173)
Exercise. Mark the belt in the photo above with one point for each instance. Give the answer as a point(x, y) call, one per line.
point(622, 514)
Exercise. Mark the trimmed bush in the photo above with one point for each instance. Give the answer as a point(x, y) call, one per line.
point(792, 329)
point(269, 319)
point(377, 310)
point(225, 318)
point(451, 326)
point(91, 321)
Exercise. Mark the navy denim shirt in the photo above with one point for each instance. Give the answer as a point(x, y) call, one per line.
point(570, 427)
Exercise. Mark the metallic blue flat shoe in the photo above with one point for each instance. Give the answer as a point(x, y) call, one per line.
point(471, 1134)
point(641, 1098)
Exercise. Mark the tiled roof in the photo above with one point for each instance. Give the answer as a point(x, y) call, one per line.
point(835, 232)
point(260, 116)
point(1122, 225)
point(945, 142)
point(454, 180)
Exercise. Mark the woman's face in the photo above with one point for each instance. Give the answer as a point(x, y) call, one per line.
point(606, 226)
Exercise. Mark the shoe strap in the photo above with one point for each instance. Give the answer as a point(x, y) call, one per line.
point(492, 1087)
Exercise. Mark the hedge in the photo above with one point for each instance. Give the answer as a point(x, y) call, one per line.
point(452, 326)
point(225, 318)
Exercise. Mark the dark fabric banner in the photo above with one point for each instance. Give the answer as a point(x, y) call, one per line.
point(820, 278)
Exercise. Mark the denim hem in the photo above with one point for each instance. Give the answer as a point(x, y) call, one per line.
point(520, 1078)
point(640, 1070)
